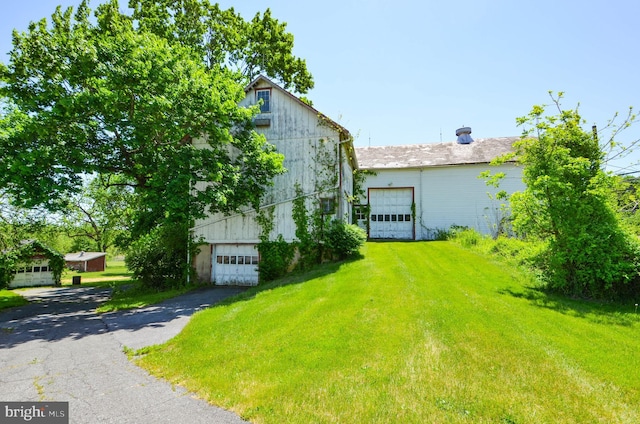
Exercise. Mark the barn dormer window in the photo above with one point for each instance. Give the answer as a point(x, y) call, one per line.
point(263, 97)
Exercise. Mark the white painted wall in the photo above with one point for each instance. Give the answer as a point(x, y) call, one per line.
point(32, 275)
point(298, 134)
point(305, 141)
point(450, 195)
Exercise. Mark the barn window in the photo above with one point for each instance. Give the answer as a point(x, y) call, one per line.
point(265, 96)
point(407, 217)
point(360, 212)
point(328, 205)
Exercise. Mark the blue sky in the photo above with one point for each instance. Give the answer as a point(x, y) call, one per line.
point(407, 72)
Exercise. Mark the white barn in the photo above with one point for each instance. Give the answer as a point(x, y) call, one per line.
point(319, 158)
point(420, 190)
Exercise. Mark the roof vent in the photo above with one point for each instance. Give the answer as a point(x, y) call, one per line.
point(463, 135)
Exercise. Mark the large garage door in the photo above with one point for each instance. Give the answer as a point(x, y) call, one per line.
point(391, 213)
point(235, 264)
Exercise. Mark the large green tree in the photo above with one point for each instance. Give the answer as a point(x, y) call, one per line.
point(101, 214)
point(117, 95)
point(570, 203)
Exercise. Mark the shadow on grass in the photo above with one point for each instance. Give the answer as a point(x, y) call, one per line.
point(606, 313)
point(296, 277)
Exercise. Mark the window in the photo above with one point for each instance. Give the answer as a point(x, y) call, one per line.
point(328, 205)
point(265, 96)
point(360, 212)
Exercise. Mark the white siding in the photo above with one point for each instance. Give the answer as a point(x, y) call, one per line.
point(32, 275)
point(450, 195)
point(298, 134)
point(308, 146)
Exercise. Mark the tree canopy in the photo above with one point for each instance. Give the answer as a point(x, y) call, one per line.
point(126, 95)
point(570, 202)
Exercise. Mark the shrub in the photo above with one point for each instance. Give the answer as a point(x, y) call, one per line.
point(159, 259)
point(344, 240)
point(276, 257)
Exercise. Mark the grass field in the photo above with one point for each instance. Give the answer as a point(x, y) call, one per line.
point(412, 333)
point(115, 272)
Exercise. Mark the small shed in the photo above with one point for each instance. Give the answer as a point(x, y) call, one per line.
point(86, 261)
point(36, 265)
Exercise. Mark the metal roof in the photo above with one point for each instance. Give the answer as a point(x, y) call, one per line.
point(83, 256)
point(482, 150)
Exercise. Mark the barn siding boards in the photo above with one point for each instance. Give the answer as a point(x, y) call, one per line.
point(305, 137)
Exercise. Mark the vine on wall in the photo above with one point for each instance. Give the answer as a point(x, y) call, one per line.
point(318, 235)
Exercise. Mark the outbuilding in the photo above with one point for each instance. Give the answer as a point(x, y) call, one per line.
point(419, 191)
point(86, 261)
point(38, 265)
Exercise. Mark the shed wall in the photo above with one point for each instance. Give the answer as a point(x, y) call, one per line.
point(451, 195)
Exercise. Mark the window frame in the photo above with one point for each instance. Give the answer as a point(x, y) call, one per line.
point(328, 205)
point(265, 107)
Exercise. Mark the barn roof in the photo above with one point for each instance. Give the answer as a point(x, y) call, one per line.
point(482, 150)
point(83, 256)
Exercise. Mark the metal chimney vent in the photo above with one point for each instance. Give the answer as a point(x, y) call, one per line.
point(463, 135)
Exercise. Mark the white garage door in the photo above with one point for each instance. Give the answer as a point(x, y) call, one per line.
point(235, 264)
point(391, 213)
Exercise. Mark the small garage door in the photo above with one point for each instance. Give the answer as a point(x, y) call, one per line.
point(235, 264)
point(391, 213)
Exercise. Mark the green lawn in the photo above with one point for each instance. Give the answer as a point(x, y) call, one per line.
point(412, 333)
point(115, 272)
point(9, 299)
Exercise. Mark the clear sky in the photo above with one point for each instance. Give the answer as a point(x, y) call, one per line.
point(407, 72)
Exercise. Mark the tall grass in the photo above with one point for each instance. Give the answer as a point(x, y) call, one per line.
point(413, 333)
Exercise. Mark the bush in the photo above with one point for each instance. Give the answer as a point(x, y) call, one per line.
point(344, 240)
point(159, 259)
point(275, 258)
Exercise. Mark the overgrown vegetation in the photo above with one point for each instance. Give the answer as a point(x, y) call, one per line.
point(23, 255)
point(159, 260)
point(129, 93)
point(320, 234)
point(569, 207)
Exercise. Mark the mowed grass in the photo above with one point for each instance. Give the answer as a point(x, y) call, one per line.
point(9, 299)
point(412, 333)
point(115, 272)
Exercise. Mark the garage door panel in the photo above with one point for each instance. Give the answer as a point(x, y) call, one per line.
point(235, 264)
point(391, 216)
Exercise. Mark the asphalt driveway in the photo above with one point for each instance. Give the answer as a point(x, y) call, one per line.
point(57, 349)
